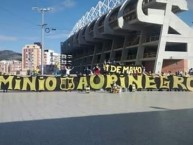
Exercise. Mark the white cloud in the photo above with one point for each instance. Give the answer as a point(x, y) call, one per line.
point(7, 38)
point(64, 5)
point(68, 3)
point(190, 4)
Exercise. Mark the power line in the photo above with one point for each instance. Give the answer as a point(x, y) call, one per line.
point(42, 11)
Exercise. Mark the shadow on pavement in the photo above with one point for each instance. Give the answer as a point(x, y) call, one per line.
point(149, 128)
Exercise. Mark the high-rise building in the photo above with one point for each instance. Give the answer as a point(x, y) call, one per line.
point(31, 57)
point(51, 61)
point(51, 57)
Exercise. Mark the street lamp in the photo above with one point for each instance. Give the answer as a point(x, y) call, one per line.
point(30, 63)
point(42, 11)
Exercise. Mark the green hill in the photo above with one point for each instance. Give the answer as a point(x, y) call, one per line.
point(10, 55)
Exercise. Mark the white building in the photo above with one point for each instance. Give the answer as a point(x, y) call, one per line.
point(11, 67)
point(140, 32)
point(51, 57)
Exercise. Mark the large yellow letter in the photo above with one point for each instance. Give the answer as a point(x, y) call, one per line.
point(4, 81)
point(100, 83)
point(137, 81)
point(31, 84)
point(82, 83)
point(150, 82)
point(51, 83)
point(41, 82)
point(122, 81)
point(110, 80)
point(17, 83)
point(164, 82)
point(178, 81)
point(189, 83)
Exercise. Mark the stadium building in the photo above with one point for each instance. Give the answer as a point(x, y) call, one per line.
point(133, 32)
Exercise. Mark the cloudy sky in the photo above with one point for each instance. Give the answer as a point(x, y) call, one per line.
point(19, 24)
point(190, 4)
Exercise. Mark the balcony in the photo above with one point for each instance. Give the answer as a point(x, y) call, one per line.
point(145, 2)
point(113, 24)
point(129, 9)
point(133, 42)
point(149, 54)
point(150, 39)
point(130, 16)
point(131, 57)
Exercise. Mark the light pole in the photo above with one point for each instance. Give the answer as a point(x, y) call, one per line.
point(30, 63)
point(42, 11)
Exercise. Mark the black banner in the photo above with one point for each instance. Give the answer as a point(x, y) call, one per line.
point(121, 69)
point(95, 82)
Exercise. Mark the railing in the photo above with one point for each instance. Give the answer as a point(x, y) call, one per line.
point(130, 16)
point(114, 24)
point(101, 29)
point(129, 9)
point(96, 12)
point(150, 39)
point(149, 54)
point(133, 42)
point(146, 2)
point(130, 57)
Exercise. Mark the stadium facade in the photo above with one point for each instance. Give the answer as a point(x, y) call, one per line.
point(139, 32)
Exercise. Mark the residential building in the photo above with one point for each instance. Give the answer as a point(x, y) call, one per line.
point(51, 57)
point(31, 57)
point(51, 61)
point(11, 67)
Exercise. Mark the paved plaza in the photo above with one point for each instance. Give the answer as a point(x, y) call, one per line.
point(97, 118)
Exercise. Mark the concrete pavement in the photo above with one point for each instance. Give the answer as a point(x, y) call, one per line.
point(97, 118)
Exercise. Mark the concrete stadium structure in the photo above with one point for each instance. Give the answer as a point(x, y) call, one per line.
point(140, 32)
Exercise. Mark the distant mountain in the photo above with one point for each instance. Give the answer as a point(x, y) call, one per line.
point(10, 55)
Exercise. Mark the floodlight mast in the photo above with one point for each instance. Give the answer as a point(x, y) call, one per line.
point(42, 11)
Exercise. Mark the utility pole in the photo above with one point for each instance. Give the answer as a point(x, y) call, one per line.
point(42, 11)
point(30, 63)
